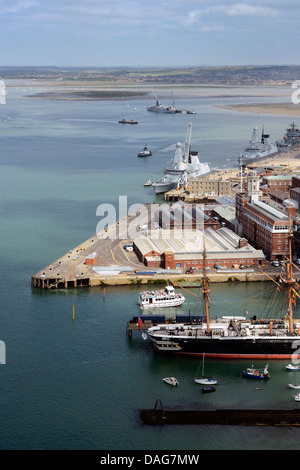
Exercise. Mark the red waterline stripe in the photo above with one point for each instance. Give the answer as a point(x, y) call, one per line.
point(241, 356)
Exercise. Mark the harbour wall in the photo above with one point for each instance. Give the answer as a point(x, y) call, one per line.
point(189, 280)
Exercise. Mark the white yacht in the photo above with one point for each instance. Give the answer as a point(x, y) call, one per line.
point(163, 298)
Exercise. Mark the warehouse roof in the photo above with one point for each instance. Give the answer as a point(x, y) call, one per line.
point(190, 242)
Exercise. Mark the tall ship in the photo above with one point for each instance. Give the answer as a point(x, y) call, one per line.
point(236, 337)
point(258, 148)
point(160, 108)
point(185, 164)
point(291, 138)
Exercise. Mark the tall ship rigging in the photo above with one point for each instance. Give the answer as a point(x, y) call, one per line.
point(235, 337)
point(185, 164)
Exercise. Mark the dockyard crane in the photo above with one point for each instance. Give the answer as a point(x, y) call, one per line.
point(187, 145)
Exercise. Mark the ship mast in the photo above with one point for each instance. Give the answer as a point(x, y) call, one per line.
point(205, 288)
point(289, 278)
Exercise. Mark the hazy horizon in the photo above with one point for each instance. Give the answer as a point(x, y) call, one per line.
point(148, 33)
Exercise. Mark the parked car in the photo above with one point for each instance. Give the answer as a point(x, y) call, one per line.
point(189, 271)
point(128, 247)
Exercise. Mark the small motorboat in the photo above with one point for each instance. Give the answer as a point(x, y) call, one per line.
point(256, 374)
point(192, 111)
point(294, 385)
point(148, 183)
point(171, 381)
point(297, 397)
point(145, 152)
point(208, 389)
point(291, 367)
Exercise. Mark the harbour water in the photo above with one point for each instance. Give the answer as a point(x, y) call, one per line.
point(79, 384)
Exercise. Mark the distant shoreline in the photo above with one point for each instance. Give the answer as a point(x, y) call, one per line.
point(90, 95)
point(286, 109)
point(123, 95)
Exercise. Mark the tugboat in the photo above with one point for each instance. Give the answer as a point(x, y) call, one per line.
point(123, 121)
point(145, 152)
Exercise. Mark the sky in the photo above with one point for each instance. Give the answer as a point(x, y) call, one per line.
point(149, 33)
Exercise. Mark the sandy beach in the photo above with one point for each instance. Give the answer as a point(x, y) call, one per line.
point(285, 158)
point(289, 161)
point(285, 109)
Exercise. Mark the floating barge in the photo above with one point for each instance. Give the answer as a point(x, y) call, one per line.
point(158, 417)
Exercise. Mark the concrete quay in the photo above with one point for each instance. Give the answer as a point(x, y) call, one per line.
point(102, 260)
point(103, 251)
point(116, 266)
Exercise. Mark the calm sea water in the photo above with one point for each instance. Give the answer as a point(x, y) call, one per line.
point(80, 385)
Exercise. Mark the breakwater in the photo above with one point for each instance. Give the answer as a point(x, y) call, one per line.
point(233, 417)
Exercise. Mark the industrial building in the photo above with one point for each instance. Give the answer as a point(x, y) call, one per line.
point(184, 249)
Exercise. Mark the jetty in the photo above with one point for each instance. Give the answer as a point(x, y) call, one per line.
point(102, 262)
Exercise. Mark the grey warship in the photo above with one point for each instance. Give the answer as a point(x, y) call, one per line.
point(185, 164)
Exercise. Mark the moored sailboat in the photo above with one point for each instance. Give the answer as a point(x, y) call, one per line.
point(292, 367)
point(205, 380)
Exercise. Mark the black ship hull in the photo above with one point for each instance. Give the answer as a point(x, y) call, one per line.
point(234, 348)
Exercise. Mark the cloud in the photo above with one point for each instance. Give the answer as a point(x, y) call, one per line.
point(20, 5)
point(243, 9)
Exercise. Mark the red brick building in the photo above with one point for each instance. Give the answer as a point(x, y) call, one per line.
point(264, 226)
point(273, 182)
point(224, 248)
point(267, 228)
